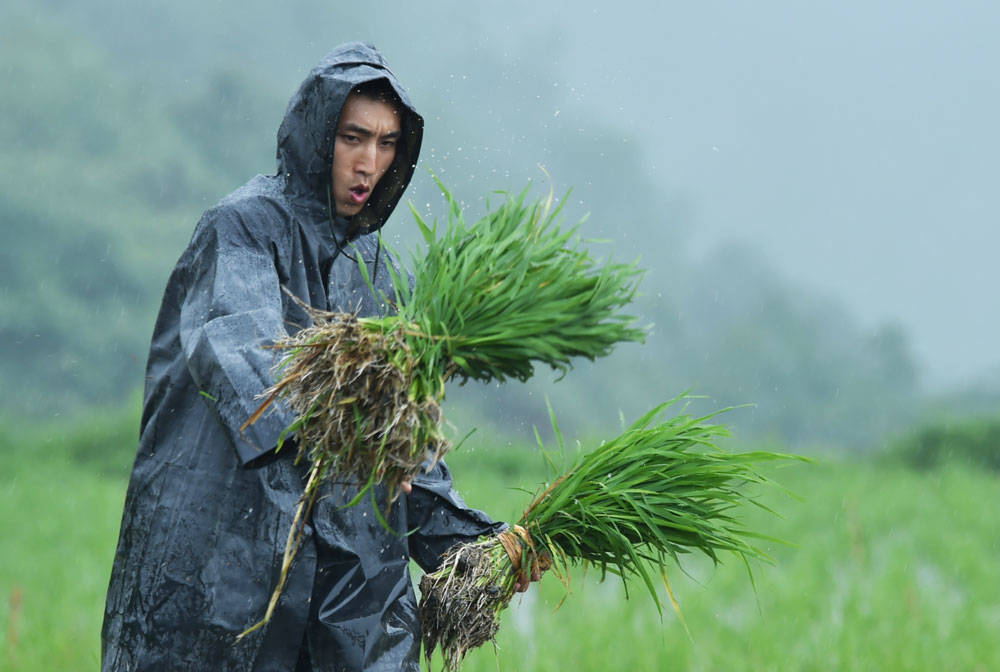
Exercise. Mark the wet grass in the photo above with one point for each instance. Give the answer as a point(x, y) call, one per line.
point(894, 570)
point(58, 529)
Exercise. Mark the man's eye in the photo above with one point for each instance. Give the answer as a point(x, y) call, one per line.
point(346, 137)
point(388, 143)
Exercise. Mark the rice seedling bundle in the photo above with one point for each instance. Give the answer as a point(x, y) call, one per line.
point(631, 507)
point(489, 301)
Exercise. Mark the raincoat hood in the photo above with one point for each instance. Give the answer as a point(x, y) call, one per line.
point(307, 133)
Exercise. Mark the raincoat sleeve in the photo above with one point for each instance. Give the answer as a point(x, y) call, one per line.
point(231, 311)
point(438, 518)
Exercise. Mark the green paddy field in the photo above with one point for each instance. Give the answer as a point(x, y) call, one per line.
point(891, 569)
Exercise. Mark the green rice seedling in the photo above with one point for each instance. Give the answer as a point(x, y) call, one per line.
point(631, 508)
point(489, 301)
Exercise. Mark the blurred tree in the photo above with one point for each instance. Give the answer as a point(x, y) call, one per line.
point(233, 122)
point(747, 336)
point(97, 194)
point(974, 441)
point(108, 162)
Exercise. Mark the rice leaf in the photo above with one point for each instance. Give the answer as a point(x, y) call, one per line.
point(630, 507)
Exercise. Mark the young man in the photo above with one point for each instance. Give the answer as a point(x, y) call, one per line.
point(208, 507)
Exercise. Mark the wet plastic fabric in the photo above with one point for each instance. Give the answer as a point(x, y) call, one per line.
point(208, 509)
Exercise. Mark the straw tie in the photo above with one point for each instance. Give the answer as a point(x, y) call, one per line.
point(515, 543)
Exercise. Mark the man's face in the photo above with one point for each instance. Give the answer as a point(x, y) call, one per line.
point(363, 150)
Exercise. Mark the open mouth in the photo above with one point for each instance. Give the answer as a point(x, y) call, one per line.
point(359, 194)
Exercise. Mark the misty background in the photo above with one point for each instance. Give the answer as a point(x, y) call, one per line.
point(811, 188)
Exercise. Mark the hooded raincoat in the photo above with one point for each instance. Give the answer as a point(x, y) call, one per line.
point(208, 508)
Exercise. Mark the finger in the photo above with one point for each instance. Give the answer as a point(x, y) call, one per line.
point(407, 487)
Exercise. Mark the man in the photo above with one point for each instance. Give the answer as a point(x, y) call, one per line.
point(208, 507)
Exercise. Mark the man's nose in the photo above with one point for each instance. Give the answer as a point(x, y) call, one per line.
point(366, 159)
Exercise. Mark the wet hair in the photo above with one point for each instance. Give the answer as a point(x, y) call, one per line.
point(380, 90)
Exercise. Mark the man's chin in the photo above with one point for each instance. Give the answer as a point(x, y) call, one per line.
point(348, 209)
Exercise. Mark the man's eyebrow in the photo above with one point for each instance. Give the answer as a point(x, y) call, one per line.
point(357, 129)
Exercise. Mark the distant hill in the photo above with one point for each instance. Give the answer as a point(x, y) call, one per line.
point(100, 188)
point(122, 122)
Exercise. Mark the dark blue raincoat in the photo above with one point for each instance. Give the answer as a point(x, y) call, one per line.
point(208, 509)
